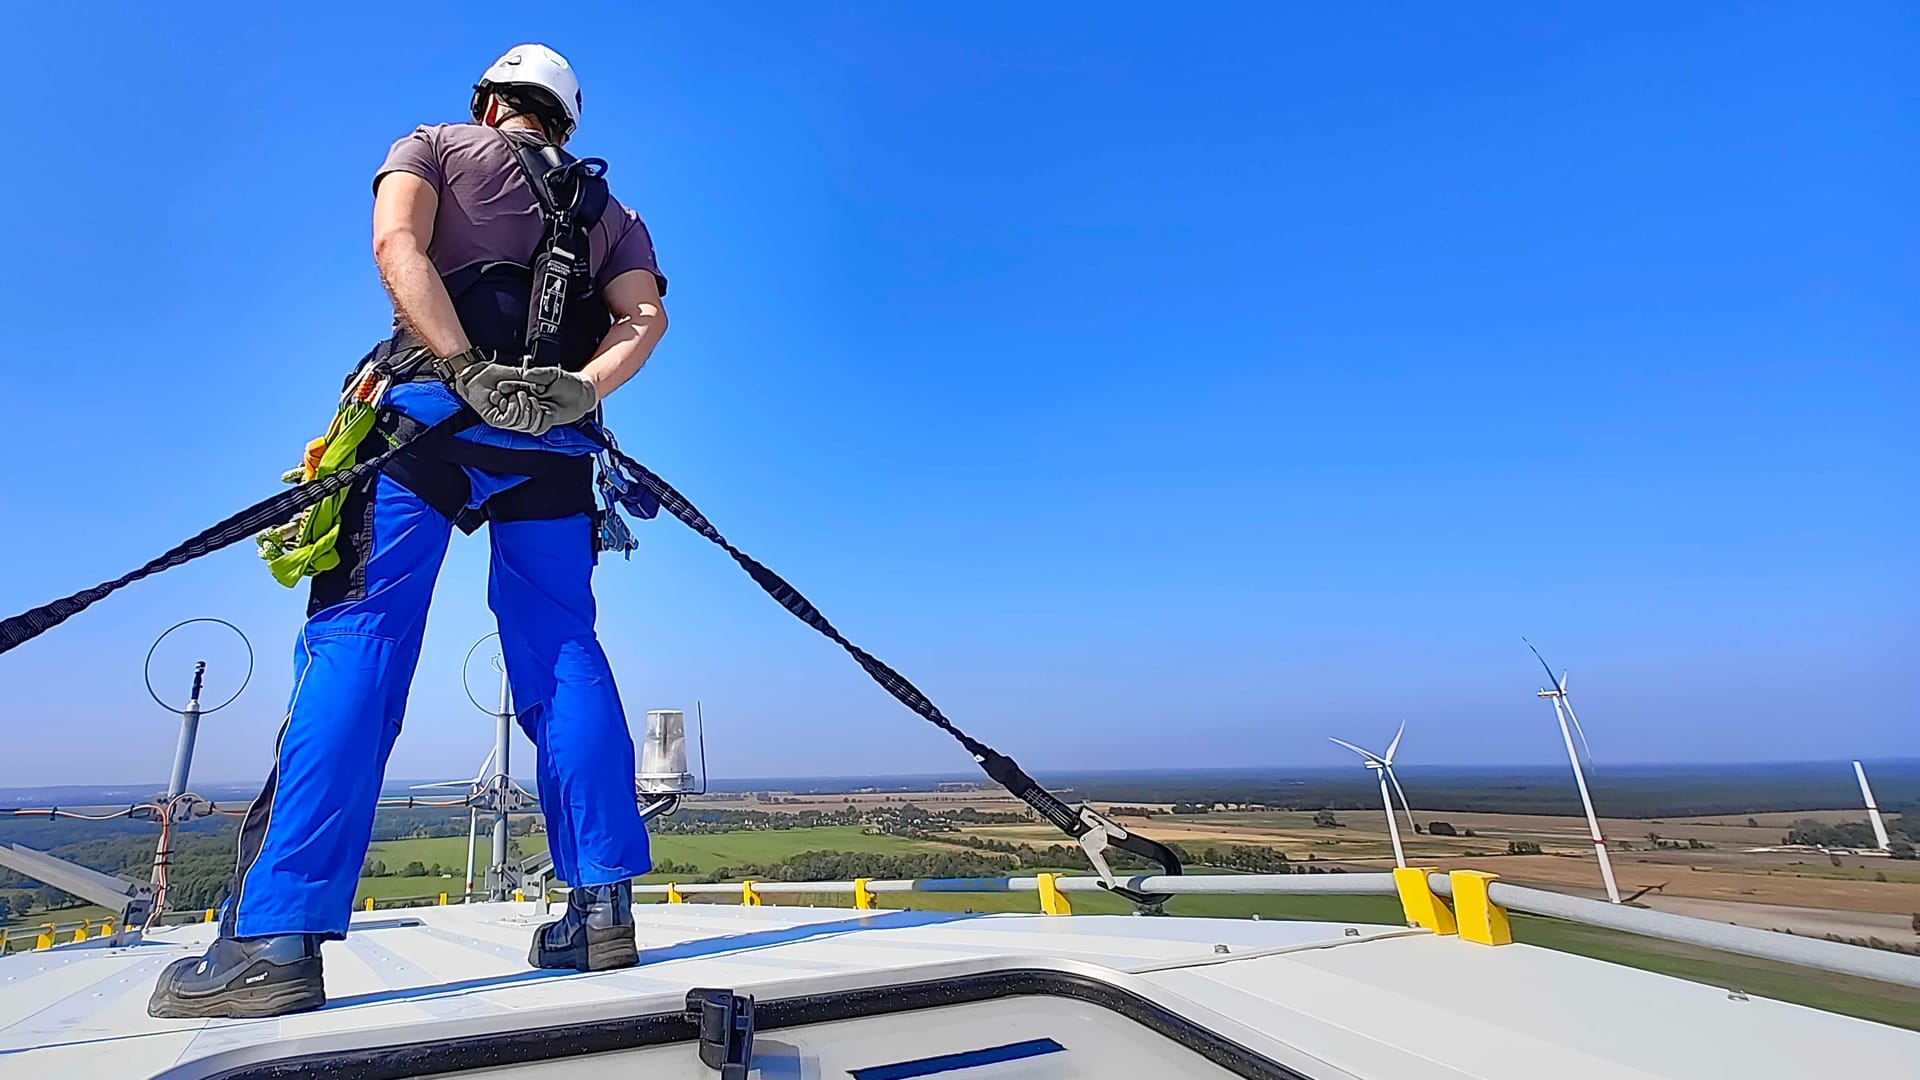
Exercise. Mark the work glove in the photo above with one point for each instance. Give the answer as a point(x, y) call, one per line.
point(561, 397)
point(503, 397)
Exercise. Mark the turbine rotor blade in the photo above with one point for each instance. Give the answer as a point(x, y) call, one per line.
point(1582, 732)
point(1368, 754)
point(1543, 664)
point(1395, 744)
point(1404, 805)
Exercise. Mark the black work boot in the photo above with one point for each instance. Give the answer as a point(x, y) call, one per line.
point(595, 934)
point(254, 977)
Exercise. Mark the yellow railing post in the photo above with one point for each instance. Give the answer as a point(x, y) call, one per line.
point(749, 898)
point(443, 899)
point(1052, 900)
point(80, 932)
point(1417, 898)
point(210, 916)
point(1481, 920)
point(862, 896)
point(106, 928)
point(673, 894)
point(45, 938)
point(519, 896)
point(369, 903)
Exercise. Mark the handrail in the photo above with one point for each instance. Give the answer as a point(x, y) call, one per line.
point(1838, 957)
point(1834, 956)
point(43, 934)
point(374, 903)
point(1247, 884)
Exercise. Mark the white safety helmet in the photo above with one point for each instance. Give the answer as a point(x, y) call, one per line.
point(534, 67)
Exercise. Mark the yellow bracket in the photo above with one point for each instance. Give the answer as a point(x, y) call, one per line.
point(519, 897)
point(862, 896)
point(443, 899)
point(80, 934)
point(1417, 899)
point(45, 938)
point(1481, 920)
point(106, 928)
point(673, 894)
point(749, 898)
point(369, 903)
point(1052, 900)
point(209, 917)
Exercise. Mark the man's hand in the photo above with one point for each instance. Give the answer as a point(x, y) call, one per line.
point(502, 395)
point(562, 396)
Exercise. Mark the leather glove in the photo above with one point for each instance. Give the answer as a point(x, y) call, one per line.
point(502, 396)
point(562, 396)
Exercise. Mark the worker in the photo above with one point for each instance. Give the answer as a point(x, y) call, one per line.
point(460, 212)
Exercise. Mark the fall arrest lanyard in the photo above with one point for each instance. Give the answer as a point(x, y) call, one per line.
point(638, 489)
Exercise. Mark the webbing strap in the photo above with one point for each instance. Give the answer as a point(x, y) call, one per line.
point(1094, 832)
point(277, 510)
point(1003, 769)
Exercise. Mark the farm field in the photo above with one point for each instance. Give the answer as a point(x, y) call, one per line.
point(706, 851)
point(1774, 889)
point(1723, 870)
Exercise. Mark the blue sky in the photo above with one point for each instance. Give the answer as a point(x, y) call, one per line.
point(1153, 386)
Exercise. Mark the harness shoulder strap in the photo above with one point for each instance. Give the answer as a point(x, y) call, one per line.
point(582, 198)
point(532, 157)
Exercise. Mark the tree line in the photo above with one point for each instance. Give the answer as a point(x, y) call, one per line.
point(1902, 833)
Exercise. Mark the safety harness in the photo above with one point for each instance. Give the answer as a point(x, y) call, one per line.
point(543, 310)
point(338, 463)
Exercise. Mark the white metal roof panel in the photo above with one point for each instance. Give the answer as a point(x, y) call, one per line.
point(1327, 999)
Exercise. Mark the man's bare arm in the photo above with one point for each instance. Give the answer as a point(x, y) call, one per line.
point(640, 320)
point(403, 210)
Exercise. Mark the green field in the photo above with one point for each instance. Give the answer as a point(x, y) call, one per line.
point(707, 851)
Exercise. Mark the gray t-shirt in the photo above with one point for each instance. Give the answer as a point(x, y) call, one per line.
point(488, 213)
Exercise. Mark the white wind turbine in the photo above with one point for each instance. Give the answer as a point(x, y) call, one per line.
point(1563, 708)
point(1383, 765)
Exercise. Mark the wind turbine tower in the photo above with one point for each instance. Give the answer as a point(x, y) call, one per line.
point(1873, 810)
point(1382, 765)
point(1563, 708)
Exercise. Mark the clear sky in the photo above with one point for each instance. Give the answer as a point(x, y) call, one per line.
point(1155, 385)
